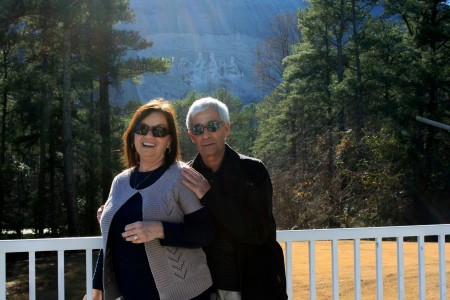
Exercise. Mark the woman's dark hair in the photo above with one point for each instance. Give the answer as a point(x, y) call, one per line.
point(130, 155)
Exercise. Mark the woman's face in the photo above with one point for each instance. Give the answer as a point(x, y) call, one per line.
point(151, 148)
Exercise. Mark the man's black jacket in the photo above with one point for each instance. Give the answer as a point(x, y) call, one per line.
point(242, 204)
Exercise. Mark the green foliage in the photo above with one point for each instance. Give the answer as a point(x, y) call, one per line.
point(188, 149)
point(33, 35)
point(338, 134)
point(327, 172)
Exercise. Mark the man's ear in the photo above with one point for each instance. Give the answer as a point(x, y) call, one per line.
point(227, 129)
point(191, 136)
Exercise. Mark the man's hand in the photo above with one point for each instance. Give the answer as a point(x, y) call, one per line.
point(195, 181)
point(99, 213)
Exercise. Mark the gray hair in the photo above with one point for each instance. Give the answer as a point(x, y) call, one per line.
point(202, 105)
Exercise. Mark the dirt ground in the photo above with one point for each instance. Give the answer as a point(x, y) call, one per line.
point(368, 271)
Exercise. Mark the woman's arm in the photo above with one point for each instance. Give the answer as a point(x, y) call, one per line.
point(197, 230)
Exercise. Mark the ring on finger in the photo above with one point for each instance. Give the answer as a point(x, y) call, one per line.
point(135, 237)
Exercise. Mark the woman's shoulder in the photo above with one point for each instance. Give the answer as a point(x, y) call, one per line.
point(124, 174)
point(174, 171)
point(178, 165)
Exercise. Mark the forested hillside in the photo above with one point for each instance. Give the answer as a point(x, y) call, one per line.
point(338, 132)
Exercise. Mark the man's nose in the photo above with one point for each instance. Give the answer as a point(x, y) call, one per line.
point(206, 133)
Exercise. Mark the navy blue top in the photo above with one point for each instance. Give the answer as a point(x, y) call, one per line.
point(135, 278)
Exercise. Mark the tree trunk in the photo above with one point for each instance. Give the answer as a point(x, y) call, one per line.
point(340, 66)
point(92, 187)
point(69, 191)
point(41, 204)
point(54, 200)
point(432, 101)
point(358, 104)
point(3, 139)
point(105, 132)
point(330, 127)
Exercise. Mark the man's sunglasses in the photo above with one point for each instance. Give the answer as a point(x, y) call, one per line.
point(157, 131)
point(212, 126)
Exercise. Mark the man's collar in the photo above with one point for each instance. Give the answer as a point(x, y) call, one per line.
point(229, 165)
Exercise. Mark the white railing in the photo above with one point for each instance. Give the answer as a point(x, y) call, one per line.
point(376, 233)
point(284, 236)
point(57, 244)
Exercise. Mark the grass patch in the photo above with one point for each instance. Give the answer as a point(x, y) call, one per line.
point(300, 270)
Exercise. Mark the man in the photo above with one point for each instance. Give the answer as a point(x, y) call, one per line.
point(245, 259)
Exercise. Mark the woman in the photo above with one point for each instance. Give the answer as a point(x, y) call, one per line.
point(153, 226)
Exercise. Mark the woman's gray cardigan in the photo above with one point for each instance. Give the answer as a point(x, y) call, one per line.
point(179, 273)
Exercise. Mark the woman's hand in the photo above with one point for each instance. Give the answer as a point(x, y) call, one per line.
point(141, 232)
point(195, 181)
point(96, 295)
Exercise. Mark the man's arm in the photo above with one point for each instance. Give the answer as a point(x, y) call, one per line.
point(249, 218)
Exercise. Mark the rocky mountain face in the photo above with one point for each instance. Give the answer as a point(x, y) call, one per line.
point(212, 44)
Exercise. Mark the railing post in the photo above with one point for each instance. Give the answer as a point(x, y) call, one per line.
point(357, 268)
point(400, 270)
point(421, 266)
point(89, 274)
point(32, 275)
point(312, 270)
point(2, 275)
point(379, 267)
point(335, 268)
point(61, 289)
point(442, 268)
point(288, 246)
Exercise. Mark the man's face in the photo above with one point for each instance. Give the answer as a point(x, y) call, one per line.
point(210, 144)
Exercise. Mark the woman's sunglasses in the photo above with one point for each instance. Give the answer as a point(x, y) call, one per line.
point(157, 131)
point(212, 126)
